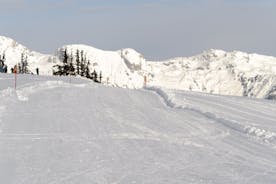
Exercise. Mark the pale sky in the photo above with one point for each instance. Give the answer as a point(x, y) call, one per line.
point(159, 29)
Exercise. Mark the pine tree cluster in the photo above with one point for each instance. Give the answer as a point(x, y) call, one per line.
point(22, 66)
point(78, 65)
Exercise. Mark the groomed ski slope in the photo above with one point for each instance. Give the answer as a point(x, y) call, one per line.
point(57, 130)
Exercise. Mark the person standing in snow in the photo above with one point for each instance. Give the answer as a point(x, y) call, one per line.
point(145, 80)
point(15, 69)
point(5, 68)
point(37, 71)
point(1, 66)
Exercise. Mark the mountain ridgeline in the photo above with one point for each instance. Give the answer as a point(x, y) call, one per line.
point(214, 71)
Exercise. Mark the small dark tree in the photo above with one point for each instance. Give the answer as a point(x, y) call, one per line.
point(71, 66)
point(66, 63)
point(94, 76)
point(1, 64)
point(100, 77)
point(26, 65)
point(87, 70)
point(82, 64)
point(63, 69)
point(19, 68)
point(78, 62)
point(4, 57)
point(20, 64)
point(23, 64)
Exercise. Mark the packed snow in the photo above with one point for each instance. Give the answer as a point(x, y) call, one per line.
point(69, 130)
point(214, 71)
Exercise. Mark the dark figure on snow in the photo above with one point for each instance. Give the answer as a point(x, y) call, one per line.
point(37, 71)
point(5, 68)
point(1, 66)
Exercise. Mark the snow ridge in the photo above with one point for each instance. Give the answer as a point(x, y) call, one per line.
point(25, 91)
point(263, 135)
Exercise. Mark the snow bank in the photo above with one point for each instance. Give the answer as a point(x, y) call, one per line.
point(170, 99)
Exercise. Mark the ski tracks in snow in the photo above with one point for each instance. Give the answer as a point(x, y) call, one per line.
point(261, 134)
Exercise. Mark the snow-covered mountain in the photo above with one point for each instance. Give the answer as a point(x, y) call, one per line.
point(219, 72)
point(13, 51)
point(121, 68)
point(214, 71)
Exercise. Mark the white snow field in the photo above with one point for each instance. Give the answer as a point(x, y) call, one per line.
point(57, 130)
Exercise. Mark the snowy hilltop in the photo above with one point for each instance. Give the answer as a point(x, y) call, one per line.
point(214, 71)
point(219, 72)
point(13, 51)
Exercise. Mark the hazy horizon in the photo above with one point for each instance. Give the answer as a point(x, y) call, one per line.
point(159, 29)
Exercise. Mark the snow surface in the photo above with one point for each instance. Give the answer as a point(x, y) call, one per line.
point(69, 130)
point(214, 71)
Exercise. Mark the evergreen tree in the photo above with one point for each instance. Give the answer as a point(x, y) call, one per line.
point(23, 64)
point(63, 69)
point(1, 65)
point(100, 77)
point(19, 68)
point(66, 67)
point(82, 64)
point(3, 57)
point(94, 76)
point(71, 65)
point(87, 70)
point(26, 65)
point(78, 62)
point(20, 65)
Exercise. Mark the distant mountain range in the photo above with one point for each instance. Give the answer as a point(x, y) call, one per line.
point(214, 71)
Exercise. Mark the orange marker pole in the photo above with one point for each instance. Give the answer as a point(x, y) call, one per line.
point(145, 81)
